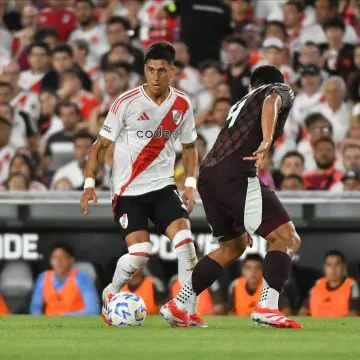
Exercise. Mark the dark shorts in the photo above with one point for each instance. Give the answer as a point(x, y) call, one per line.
point(162, 207)
point(234, 206)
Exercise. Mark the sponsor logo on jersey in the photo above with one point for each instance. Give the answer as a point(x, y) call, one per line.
point(107, 128)
point(143, 117)
point(157, 134)
point(177, 116)
point(124, 221)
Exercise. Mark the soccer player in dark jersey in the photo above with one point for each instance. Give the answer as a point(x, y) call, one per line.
point(238, 206)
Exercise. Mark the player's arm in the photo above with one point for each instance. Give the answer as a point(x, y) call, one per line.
point(190, 161)
point(270, 112)
point(93, 166)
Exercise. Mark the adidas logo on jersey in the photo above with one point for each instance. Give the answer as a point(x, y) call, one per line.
point(143, 117)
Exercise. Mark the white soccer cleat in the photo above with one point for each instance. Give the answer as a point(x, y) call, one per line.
point(174, 316)
point(106, 297)
point(273, 318)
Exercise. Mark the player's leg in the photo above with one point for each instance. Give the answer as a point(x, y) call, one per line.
point(284, 241)
point(132, 217)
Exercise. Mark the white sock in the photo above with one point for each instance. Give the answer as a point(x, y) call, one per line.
point(182, 300)
point(269, 297)
point(128, 264)
point(186, 254)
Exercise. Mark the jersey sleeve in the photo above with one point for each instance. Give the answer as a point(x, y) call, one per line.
point(187, 128)
point(285, 91)
point(114, 122)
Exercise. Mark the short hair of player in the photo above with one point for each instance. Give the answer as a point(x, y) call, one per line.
point(324, 139)
point(63, 48)
point(253, 257)
point(266, 74)
point(336, 253)
point(160, 51)
point(291, 154)
point(6, 84)
point(84, 135)
point(311, 119)
point(42, 45)
point(336, 23)
point(65, 247)
point(119, 20)
point(66, 103)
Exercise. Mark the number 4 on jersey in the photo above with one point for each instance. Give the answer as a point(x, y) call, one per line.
point(234, 112)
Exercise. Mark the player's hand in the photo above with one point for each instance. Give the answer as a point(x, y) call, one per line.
point(260, 154)
point(189, 198)
point(88, 195)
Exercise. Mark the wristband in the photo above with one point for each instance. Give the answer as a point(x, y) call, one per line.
point(190, 182)
point(89, 183)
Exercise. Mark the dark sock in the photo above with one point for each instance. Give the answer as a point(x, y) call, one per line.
point(277, 267)
point(205, 274)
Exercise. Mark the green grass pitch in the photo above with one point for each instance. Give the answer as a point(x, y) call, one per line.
point(30, 338)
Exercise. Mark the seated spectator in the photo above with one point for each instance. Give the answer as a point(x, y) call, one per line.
point(351, 157)
point(17, 182)
point(39, 62)
point(309, 96)
point(211, 76)
point(354, 78)
point(22, 164)
point(238, 71)
point(71, 89)
point(150, 289)
point(213, 123)
point(335, 294)
point(190, 77)
point(349, 182)
point(63, 185)
point(64, 290)
point(4, 310)
point(6, 150)
point(81, 52)
point(275, 29)
point(60, 146)
point(310, 55)
point(245, 291)
point(338, 56)
point(317, 127)
point(334, 108)
point(292, 182)
point(210, 301)
point(74, 171)
point(293, 21)
point(223, 90)
point(325, 176)
point(292, 163)
point(242, 14)
point(63, 59)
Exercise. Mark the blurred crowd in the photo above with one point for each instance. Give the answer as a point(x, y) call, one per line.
point(70, 287)
point(63, 62)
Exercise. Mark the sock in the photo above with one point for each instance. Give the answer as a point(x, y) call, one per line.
point(136, 259)
point(204, 275)
point(277, 267)
point(186, 255)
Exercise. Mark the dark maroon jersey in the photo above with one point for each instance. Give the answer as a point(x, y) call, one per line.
point(242, 133)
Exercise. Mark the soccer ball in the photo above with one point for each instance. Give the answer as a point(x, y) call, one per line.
point(127, 309)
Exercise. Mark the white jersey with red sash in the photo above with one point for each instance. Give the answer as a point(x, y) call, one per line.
point(144, 134)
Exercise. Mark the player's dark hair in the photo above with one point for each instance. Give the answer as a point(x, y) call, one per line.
point(336, 23)
point(63, 48)
point(335, 252)
point(276, 23)
point(66, 103)
point(206, 64)
point(324, 139)
point(119, 20)
point(295, 3)
point(311, 119)
point(253, 257)
point(6, 84)
point(5, 122)
point(160, 51)
point(266, 74)
point(84, 135)
point(89, 2)
point(82, 45)
point(291, 154)
point(42, 45)
point(63, 246)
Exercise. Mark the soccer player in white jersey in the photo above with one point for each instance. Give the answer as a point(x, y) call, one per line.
point(144, 123)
